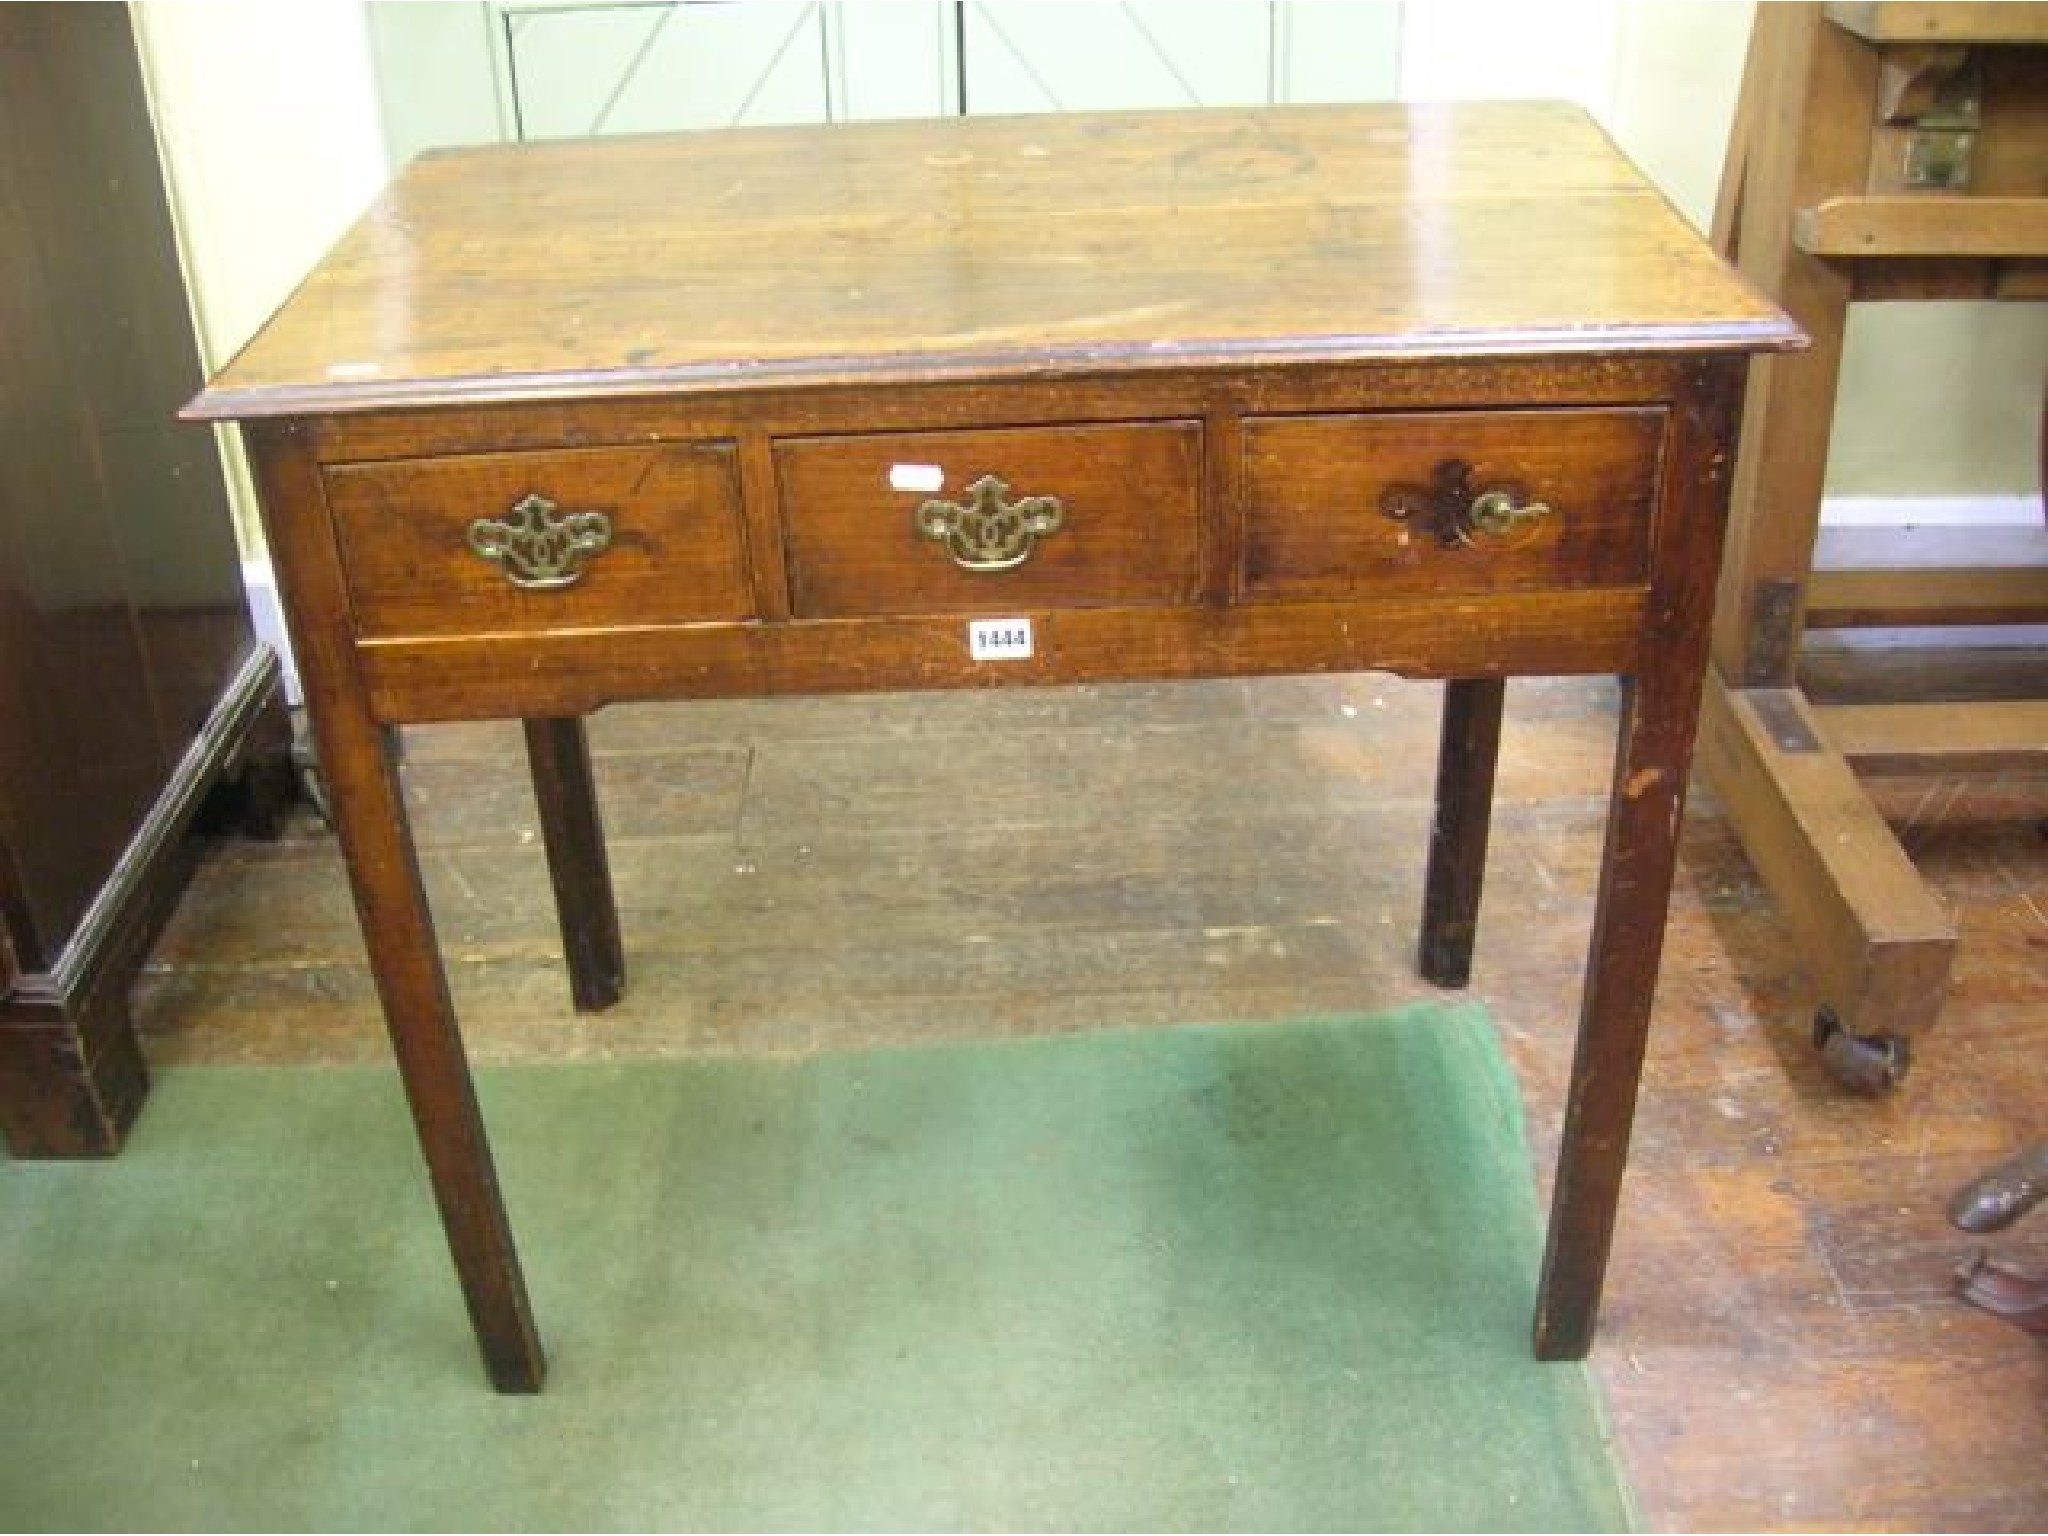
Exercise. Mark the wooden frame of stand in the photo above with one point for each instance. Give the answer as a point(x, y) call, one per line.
point(1815, 207)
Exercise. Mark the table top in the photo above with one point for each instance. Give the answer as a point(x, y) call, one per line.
point(993, 248)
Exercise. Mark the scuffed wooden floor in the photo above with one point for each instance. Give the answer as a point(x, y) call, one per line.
point(1779, 1344)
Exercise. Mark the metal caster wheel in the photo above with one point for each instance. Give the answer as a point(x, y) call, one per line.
point(1867, 1064)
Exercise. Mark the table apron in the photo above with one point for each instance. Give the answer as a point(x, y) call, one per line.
point(573, 672)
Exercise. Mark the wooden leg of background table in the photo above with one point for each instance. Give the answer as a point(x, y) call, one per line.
point(566, 794)
point(1457, 835)
point(1876, 940)
point(360, 763)
point(1621, 978)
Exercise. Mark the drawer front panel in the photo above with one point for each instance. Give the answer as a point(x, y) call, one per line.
point(1346, 506)
point(966, 522)
point(533, 541)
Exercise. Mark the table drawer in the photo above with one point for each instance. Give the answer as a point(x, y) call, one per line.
point(533, 541)
point(1447, 501)
point(1031, 517)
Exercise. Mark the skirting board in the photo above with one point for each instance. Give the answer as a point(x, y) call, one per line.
point(1929, 511)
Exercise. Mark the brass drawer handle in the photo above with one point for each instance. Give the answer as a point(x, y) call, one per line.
point(537, 549)
point(990, 532)
point(1462, 515)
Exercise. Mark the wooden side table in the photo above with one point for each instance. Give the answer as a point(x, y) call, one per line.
point(1443, 391)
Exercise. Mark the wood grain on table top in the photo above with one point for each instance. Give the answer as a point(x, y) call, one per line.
point(993, 247)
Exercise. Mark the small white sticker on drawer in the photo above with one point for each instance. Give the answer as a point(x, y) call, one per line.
point(999, 639)
point(917, 477)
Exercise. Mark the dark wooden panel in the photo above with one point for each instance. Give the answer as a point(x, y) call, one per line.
point(1317, 522)
point(128, 675)
point(107, 283)
point(1128, 533)
point(121, 610)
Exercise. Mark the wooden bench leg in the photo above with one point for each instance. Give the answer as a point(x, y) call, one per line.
point(566, 793)
point(1457, 835)
point(1878, 943)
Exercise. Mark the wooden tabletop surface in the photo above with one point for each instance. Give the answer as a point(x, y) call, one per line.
point(992, 247)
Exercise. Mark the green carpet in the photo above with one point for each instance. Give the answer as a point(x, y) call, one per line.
point(1273, 1277)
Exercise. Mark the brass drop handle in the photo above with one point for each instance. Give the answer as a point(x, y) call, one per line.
point(989, 532)
point(538, 549)
point(1500, 514)
point(1462, 515)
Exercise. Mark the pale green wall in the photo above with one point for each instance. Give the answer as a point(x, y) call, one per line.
point(266, 117)
point(1935, 399)
point(1940, 398)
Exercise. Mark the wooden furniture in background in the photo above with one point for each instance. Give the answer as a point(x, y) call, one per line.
point(1446, 391)
point(1880, 151)
point(129, 681)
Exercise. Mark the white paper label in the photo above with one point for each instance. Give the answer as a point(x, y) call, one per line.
point(926, 478)
point(999, 639)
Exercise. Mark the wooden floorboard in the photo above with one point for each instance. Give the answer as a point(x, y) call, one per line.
point(1780, 1348)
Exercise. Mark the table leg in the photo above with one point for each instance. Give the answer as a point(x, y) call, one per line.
point(1621, 975)
point(1660, 713)
point(1457, 834)
point(566, 794)
point(360, 763)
